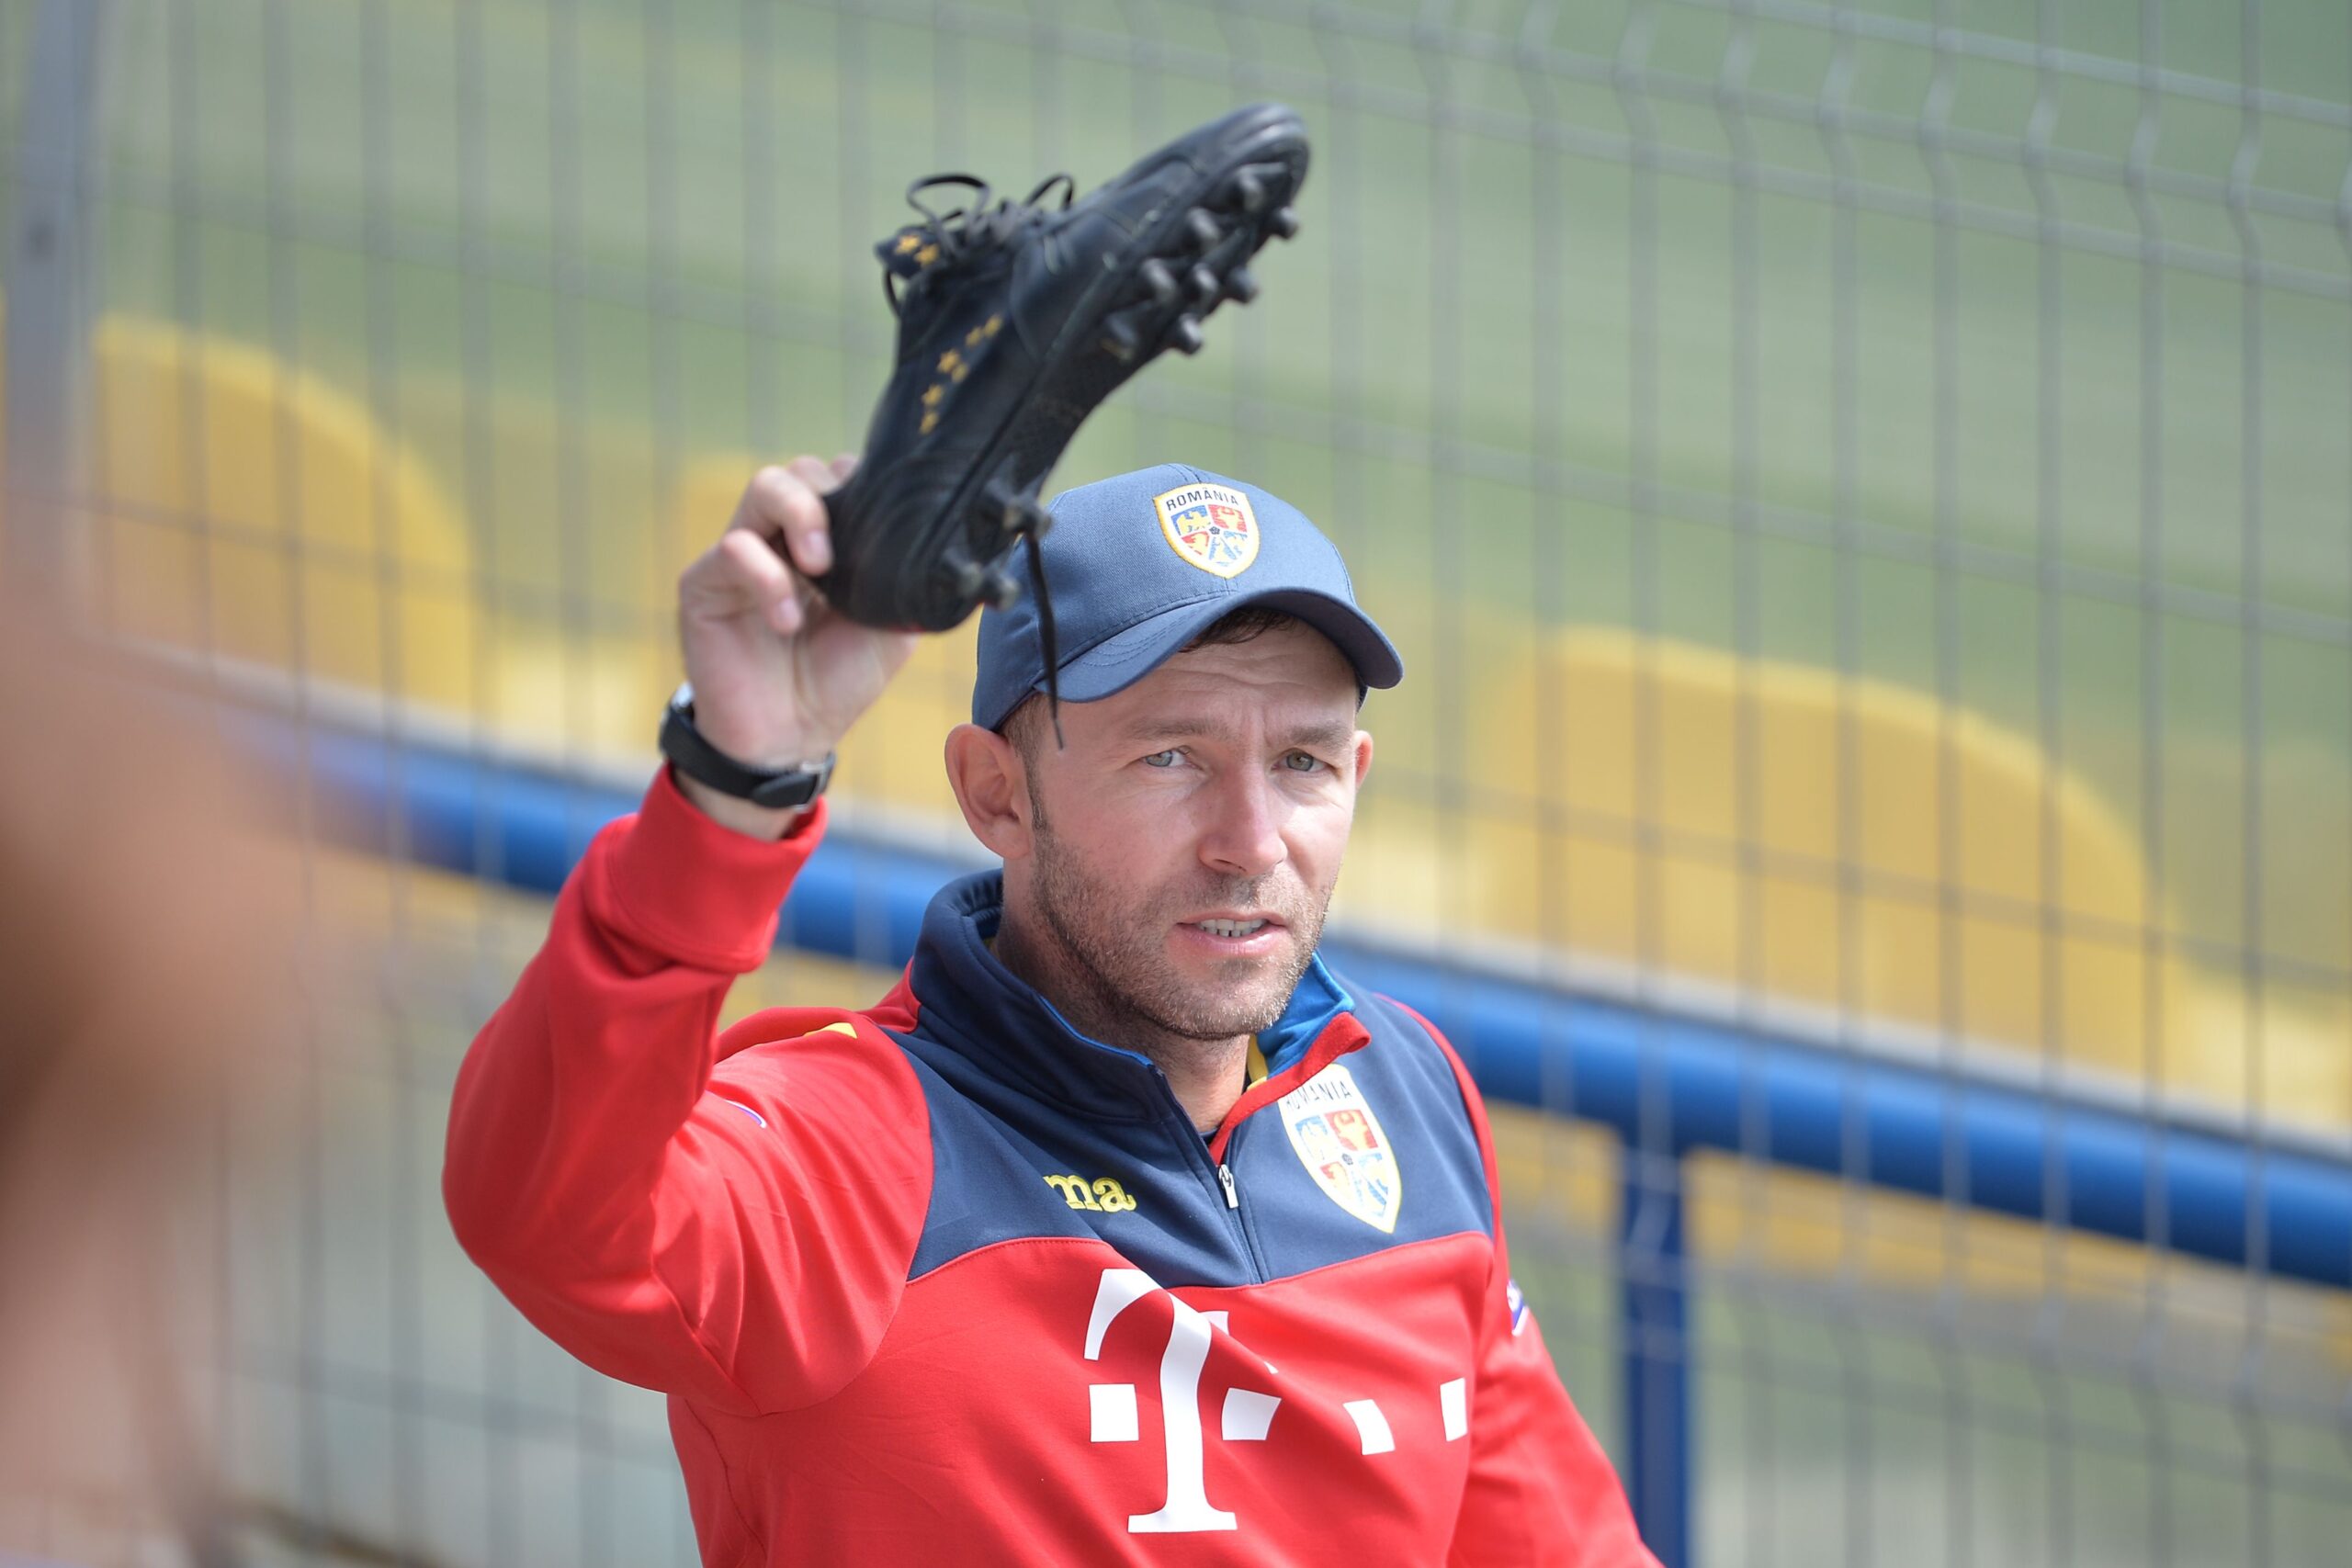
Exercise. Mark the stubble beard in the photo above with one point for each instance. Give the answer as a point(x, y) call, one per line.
point(1113, 967)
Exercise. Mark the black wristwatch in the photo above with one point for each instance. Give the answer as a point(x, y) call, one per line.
point(696, 757)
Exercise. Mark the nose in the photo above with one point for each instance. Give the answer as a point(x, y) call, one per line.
point(1243, 835)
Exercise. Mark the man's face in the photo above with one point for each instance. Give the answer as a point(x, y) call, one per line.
point(1187, 840)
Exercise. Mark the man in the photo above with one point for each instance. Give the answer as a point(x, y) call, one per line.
point(1122, 1230)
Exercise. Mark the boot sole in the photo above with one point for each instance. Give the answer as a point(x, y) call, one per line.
point(1146, 315)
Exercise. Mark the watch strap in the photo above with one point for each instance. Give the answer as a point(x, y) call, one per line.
point(693, 754)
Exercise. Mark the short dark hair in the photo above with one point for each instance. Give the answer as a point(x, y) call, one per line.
point(1240, 625)
point(1024, 725)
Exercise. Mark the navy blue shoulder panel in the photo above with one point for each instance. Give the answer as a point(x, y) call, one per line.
point(1376, 1151)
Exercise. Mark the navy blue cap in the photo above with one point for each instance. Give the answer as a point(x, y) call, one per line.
point(1142, 563)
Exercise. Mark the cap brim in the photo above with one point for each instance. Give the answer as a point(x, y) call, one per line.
point(1118, 662)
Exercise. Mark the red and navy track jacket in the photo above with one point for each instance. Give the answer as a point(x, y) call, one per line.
point(944, 1281)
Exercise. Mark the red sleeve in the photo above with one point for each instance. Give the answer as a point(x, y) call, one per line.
point(736, 1231)
point(1541, 1494)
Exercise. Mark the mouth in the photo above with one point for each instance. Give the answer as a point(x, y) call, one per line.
point(1239, 927)
point(1234, 936)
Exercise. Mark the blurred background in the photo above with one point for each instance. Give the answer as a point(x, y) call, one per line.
point(1865, 494)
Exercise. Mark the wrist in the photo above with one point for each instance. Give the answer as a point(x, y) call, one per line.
point(765, 753)
point(767, 824)
point(766, 791)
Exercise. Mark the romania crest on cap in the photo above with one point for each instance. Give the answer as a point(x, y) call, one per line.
point(1341, 1142)
point(1210, 526)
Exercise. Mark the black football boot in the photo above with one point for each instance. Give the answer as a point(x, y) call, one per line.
point(1014, 321)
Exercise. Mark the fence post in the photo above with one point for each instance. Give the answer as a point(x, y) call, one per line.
point(54, 246)
point(1655, 1344)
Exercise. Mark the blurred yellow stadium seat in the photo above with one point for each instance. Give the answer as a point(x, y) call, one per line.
point(1966, 888)
point(256, 511)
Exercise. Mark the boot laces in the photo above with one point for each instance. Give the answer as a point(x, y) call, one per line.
point(1047, 641)
point(943, 240)
point(946, 240)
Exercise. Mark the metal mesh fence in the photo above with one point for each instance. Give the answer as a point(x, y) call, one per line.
point(1864, 492)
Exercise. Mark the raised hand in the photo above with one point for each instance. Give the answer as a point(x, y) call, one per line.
point(778, 676)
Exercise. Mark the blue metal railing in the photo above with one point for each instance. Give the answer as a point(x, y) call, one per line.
point(1669, 1086)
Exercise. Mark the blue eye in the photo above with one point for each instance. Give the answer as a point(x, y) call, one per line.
point(1300, 762)
point(1167, 759)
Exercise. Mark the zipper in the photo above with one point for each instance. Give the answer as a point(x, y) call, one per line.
point(1216, 1170)
point(1233, 1202)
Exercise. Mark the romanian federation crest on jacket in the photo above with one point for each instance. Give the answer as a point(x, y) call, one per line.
point(1210, 526)
point(1341, 1142)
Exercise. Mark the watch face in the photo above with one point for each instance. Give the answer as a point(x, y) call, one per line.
point(797, 788)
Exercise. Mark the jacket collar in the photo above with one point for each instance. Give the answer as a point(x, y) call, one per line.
point(969, 1001)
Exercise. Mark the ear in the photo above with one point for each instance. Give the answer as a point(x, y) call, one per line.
point(992, 786)
point(1363, 755)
